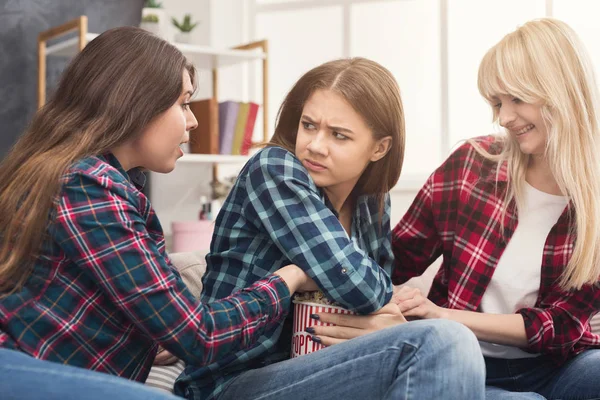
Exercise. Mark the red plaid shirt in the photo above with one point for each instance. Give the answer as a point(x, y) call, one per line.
point(104, 294)
point(457, 214)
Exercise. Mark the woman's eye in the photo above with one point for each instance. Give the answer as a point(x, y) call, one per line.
point(307, 125)
point(339, 136)
point(516, 100)
point(497, 105)
point(185, 106)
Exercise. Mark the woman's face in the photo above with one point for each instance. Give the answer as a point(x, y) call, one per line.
point(158, 147)
point(334, 142)
point(524, 123)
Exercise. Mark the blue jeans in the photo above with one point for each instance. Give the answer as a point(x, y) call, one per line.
point(427, 359)
point(540, 378)
point(25, 378)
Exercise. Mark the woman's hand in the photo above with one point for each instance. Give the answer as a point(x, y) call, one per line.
point(351, 326)
point(163, 357)
point(412, 303)
point(296, 279)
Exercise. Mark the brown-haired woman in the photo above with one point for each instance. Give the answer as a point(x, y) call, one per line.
point(317, 197)
point(84, 276)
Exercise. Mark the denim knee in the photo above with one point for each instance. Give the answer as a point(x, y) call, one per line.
point(452, 339)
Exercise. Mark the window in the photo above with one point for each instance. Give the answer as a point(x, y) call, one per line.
point(433, 48)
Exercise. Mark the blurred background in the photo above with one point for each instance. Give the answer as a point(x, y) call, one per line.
point(433, 48)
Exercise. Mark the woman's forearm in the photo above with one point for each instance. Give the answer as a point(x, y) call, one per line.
point(506, 329)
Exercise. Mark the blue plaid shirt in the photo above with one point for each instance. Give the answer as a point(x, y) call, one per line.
point(103, 294)
point(274, 216)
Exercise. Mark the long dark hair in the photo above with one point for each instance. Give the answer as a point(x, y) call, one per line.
point(110, 91)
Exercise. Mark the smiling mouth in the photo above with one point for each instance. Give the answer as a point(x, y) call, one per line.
point(524, 130)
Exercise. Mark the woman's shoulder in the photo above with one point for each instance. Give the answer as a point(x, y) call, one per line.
point(278, 162)
point(273, 155)
point(492, 144)
point(96, 170)
point(474, 160)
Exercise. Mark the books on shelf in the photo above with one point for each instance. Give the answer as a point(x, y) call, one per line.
point(228, 111)
point(205, 138)
point(249, 130)
point(225, 128)
point(240, 128)
point(237, 126)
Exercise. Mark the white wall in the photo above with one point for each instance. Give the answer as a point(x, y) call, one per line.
point(175, 196)
point(433, 47)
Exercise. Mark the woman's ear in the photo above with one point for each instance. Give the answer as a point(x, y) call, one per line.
point(381, 148)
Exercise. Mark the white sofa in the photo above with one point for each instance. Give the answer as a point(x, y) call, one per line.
point(191, 266)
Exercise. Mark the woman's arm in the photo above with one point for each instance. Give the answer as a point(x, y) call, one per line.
point(553, 327)
point(506, 329)
point(99, 227)
point(415, 240)
point(283, 201)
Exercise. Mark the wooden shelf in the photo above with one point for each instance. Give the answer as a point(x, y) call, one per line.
point(203, 57)
point(68, 47)
point(212, 159)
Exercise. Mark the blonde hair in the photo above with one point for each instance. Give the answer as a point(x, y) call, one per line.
point(544, 62)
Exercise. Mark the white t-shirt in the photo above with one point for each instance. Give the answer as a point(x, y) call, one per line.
point(516, 280)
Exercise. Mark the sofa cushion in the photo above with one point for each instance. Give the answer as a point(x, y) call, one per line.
point(191, 266)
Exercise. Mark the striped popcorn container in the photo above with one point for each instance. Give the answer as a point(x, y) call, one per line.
point(302, 342)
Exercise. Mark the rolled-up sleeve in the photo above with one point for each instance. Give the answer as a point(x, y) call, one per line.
point(557, 327)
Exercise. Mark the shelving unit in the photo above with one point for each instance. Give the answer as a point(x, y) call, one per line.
point(203, 57)
point(212, 159)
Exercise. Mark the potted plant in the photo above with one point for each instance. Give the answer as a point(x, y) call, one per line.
point(150, 23)
point(153, 18)
point(185, 28)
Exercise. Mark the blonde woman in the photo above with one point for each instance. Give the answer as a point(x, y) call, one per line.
point(516, 218)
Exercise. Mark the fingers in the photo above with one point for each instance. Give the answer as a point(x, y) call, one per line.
point(329, 341)
point(405, 293)
point(337, 332)
point(410, 304)
point(350, 321)
point(165, 358)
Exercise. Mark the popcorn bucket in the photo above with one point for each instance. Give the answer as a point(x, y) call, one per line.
point(302, 342)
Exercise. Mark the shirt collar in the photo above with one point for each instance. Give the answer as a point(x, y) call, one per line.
point(134, 175)
point(495, 174)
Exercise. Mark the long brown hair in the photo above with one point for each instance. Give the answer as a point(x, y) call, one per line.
point(110, 91)
point(373, 92)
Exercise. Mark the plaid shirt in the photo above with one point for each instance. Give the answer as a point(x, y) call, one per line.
point(274, 216)
point(104, 294)
point(457, 214)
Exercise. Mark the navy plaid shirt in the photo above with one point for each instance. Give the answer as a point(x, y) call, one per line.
point(274, 216)
point(104, 294)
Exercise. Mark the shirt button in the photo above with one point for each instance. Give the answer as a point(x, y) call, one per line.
point(344, 270)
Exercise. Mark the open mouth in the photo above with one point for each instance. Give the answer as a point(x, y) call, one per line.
point(524, 130)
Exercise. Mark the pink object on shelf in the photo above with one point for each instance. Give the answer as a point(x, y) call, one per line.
point(192, 235)
point(302, 342)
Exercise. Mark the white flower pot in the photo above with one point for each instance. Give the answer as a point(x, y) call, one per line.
point(160, 28)
point(153, 27)
point(183, 37)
